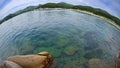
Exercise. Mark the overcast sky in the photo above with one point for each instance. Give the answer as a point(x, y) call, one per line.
point(10, 6)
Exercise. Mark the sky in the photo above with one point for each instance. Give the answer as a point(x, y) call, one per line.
point(10, 6)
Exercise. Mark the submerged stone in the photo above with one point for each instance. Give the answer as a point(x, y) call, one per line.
point(71, 50)
point(96, 63)
point(75, 63)
point(96, 53)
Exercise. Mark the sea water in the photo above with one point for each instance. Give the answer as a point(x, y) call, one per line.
point(73, 38)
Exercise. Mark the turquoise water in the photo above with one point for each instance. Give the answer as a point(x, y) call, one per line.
point(73, 38)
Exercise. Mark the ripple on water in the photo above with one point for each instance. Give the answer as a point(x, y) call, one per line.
point(70, 36)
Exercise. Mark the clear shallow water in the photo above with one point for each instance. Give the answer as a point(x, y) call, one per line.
point(73, 38)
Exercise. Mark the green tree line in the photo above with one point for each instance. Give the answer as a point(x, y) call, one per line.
point(96, 11)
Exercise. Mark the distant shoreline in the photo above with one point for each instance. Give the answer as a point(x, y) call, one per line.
point(83, 11)
point(108, 20)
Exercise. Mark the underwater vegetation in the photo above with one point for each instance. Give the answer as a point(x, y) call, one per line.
point(68, 52)
point(71, 50)
point(54, 51)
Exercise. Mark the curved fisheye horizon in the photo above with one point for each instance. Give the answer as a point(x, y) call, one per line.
point(11, 6)
point(59, 34)
point(74, 43)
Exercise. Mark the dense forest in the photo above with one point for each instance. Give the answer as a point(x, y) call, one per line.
point(96, 11)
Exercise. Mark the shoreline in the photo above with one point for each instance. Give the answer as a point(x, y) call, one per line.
point(83, 11)
point(104, 18)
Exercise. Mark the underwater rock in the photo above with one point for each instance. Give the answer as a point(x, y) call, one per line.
point(75, 64)
point(1, 66)
point(9, 64)
point(61, 41)
point(96, 53)
point(24, 49)
point(33, 61)
point(71, 50)
point(110, 64)
point(95, 63)
point(41, 43)
point(118, 61)
point(90, 37)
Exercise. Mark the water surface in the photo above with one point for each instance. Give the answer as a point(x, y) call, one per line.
point(73, 38)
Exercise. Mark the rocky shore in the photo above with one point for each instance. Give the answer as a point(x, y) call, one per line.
point(45, 60)
point(40, 60)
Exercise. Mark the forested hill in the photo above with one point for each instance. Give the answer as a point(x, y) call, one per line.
point(96, 11)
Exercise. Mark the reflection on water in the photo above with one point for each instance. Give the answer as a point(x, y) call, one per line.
point(73, 38)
